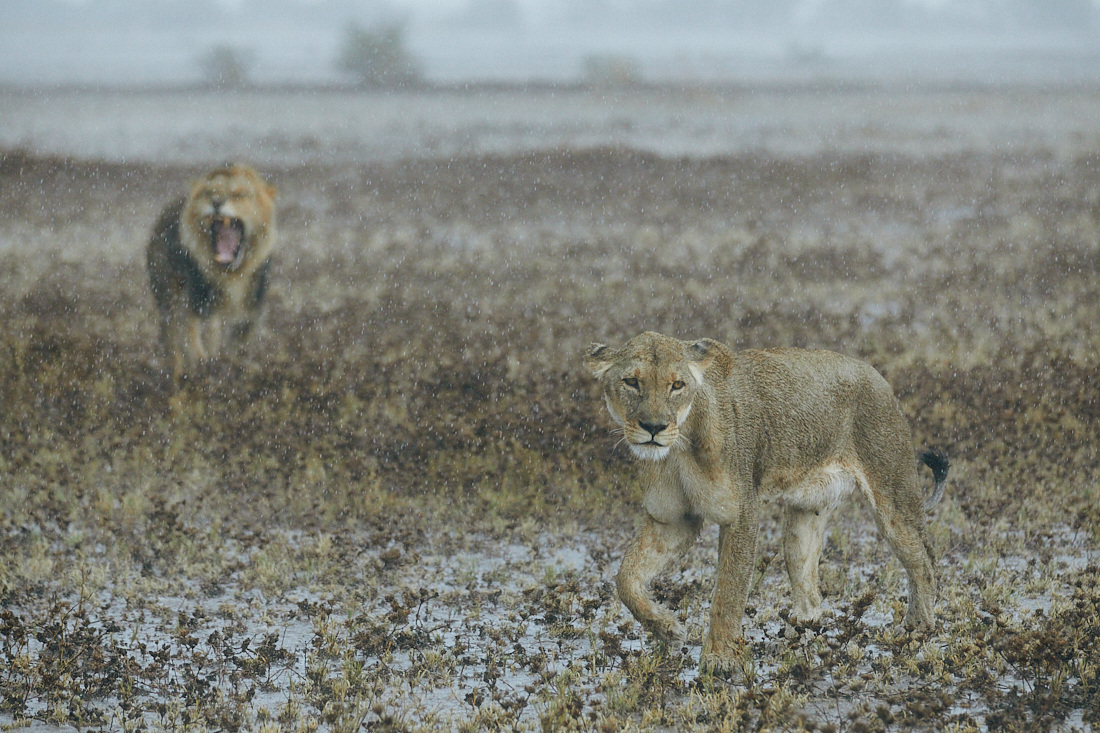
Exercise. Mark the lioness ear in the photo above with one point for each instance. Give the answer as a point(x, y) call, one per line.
point(700, 355)
point(597, 359)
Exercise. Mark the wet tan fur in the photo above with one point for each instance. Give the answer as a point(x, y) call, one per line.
point(804, 426)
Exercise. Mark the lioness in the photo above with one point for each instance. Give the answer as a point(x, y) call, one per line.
point(721, 430)
point(208, 262)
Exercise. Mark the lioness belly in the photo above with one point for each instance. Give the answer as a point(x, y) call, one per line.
point(693, 494)
point(823, 488)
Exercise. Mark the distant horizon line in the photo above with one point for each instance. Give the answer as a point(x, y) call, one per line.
point(892, 83)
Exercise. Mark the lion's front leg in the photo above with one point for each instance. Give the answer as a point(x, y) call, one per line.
point(172, 342)
point(736, 553)
point(195, 349)
point(657, 545)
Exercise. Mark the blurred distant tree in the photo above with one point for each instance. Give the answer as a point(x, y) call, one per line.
point(227, 67)
point(611, 70)
point(377, 56)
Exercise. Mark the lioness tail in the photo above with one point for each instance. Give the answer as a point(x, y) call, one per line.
point(939, 463)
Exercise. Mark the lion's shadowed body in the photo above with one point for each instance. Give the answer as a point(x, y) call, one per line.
point(198, 296)
point(725, 430)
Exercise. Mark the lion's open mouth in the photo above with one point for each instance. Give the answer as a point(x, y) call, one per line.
point(226, 236)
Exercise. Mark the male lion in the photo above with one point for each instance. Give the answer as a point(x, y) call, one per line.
point(208, 262)
point(721, 430)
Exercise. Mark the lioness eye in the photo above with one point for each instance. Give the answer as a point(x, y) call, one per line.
point(677, 385)
point(631, 382)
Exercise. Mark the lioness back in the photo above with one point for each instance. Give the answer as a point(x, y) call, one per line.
point(819, 405)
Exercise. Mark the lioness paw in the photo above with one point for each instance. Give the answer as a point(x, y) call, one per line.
point(667, 630)
point(717, 665)
point(724, 658)
point(919, 616)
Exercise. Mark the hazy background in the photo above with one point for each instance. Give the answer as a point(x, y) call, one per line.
point(165, 42)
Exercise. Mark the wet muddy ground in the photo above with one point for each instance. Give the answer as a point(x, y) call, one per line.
point(799, 117)
point(402, 509)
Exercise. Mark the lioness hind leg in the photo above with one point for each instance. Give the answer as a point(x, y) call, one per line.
point(901, 522)
point(803, 539)
point(650, 553)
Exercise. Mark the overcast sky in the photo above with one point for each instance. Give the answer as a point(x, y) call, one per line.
point(164, 41)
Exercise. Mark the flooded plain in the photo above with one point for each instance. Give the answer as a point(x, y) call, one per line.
point(401, 507)
point(277, 128)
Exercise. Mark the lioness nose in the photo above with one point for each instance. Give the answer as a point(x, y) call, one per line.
point(653, 428)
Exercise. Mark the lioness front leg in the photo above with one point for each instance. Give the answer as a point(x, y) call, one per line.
point(736, 553)
point(649, 554)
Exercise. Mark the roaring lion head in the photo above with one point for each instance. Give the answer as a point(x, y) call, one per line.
point(649, 386)
point(228, 214)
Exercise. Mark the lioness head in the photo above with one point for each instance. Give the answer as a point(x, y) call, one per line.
point(649, 386)
point(229, 212)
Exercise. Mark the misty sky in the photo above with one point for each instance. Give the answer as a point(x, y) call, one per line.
point(164, 41)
